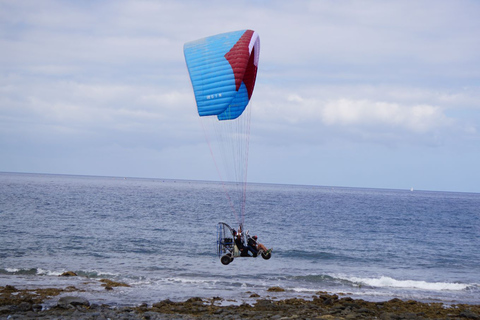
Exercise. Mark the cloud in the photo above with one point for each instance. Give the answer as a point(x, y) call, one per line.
point(111, 75)
point(101, 113)
point(382, 115)
point(417, 118)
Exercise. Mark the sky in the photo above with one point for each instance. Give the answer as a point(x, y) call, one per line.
point(373, 94)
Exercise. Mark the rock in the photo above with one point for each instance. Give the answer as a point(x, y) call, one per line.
point(365, 310)
point(276, 289)
point(351, 316)
point(218, 311)
point(68, 274)
point(264, 304)
point(110, 283)
point(163, 303)
point(24, 306)
point(395, 300)
point(67, 302)
point(215, 299)
point(37, 307)
point(6, 309)
point(254, 295)
point(469, 314)
point(194, 299)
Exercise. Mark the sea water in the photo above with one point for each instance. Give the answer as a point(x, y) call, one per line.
point(159, 237)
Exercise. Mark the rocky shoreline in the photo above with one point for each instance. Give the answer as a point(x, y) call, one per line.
point(27, 304)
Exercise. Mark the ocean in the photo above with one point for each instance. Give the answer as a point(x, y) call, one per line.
point(159, 236)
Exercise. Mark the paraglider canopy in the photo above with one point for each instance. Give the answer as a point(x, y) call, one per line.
point(223, 69)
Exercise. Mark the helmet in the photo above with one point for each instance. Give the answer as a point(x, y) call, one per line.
point(255, 237)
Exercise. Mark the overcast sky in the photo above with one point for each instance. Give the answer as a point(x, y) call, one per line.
point(382, 94)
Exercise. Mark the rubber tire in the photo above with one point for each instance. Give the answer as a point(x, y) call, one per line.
point(226, 259)
point(266, 256)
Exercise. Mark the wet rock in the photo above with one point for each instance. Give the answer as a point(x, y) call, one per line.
point(195, 301)
point(276, 289)
point(214, 300)
point(352, 316)
point(7, 309)
point(365, 310)
point(329, 302)
point(37, 307)
point(388, 316)
point(68, 274)
point(469, 314)
point(111, 284)
point(10, 288)
point(163, 303)
point(94, 306)
point(24, 306)
point(264, 304)
point(68, 302)
point(218, 311)
point(143, 307)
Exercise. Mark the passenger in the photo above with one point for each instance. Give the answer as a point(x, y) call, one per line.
point(258, 246)
point(252, 246)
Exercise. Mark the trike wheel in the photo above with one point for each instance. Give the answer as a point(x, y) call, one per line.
point(226, 259)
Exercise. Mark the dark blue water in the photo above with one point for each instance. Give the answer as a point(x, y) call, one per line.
point(159, 237)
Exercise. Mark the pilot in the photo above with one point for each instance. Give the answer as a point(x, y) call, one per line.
point(240, 246)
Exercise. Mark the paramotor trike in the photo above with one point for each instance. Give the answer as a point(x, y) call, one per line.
point(227, 250)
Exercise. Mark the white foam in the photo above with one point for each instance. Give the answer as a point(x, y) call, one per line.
point(187, 280)
point(48, 272)
point(387, 282)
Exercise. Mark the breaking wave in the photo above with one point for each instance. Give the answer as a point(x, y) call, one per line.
point(387, 282)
